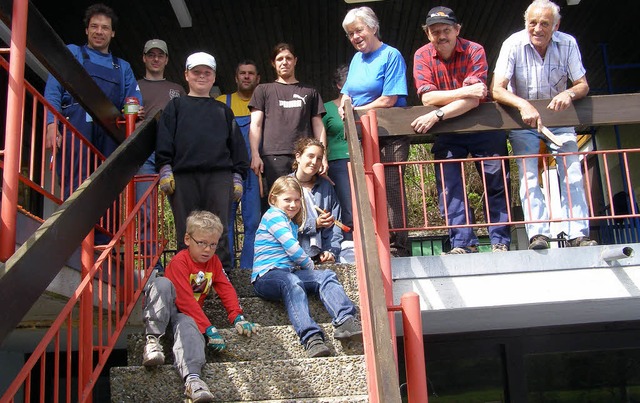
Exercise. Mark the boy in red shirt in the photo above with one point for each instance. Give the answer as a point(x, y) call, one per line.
point(178, 298)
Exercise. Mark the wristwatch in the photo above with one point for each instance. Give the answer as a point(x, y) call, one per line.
point(571, 93)
point(440, 114)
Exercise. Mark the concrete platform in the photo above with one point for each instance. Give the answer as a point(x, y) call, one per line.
point(521, 289)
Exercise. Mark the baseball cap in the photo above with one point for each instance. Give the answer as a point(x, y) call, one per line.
point(201, 58)
point(441, 15)
point(156, 43)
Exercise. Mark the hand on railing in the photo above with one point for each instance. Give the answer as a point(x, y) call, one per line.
point(141, 113)
point(54, 138)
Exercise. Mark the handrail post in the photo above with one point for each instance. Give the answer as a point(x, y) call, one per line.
point(374, 147)
point(379, 356)
point(85, 336)
point(13, 130)
point(130, 203)
point(414, 348)
point(365, 315)
point(367, 159)
point(384, 253)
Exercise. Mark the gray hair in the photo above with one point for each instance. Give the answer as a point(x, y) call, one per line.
point(366, 15)
point(555, 9)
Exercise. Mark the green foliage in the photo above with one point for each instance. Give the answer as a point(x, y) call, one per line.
point(422, 196)
point(168, 223)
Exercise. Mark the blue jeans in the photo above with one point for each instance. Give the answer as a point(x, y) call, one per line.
point(250, 219)
point(339, 174)
point(293, 287)
point(148, 168)
point(458, 146)
point(527, 142)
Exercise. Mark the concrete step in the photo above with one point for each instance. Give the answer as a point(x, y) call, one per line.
point(241, 279)
point(251, 381)
point(266, 313)
point(271, 343)
point(338, 399)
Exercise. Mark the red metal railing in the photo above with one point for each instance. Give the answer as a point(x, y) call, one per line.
point(611, 179)
point(40, 169)
point(97, 311)
point(15, 97)
point(601, 206)
point(96, 314)
point(410, 306)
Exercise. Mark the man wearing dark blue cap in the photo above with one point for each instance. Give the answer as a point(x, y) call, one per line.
point(451, 73)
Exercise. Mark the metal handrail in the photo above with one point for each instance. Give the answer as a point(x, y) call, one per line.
point(431, 166)
point(112, 287)
point(41, 165)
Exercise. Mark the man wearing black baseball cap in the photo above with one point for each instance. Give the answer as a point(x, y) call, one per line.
point(450, 73)
point(441, 15)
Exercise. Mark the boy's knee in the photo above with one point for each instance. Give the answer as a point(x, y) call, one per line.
point(162, 285)
point(186, 326)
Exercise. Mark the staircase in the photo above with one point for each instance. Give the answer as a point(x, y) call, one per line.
point(271, 366)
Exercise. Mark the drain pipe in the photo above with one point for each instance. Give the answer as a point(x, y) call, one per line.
point(617, 253)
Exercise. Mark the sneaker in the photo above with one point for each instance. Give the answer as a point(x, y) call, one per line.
point(152, 355)
point(316, 348)
point(581, 241)
point(349, 329)
point(538, 242)
point(461, 250)
point(499, 247)
point(197, 390)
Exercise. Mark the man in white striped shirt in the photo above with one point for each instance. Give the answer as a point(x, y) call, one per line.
point(540, 63)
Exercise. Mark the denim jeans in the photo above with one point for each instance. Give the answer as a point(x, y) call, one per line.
point(339, 174)
point(527, 142)
point(250, 219)
point(459, 146)
point(293, 287)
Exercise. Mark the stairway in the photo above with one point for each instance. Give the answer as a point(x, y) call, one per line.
point(269, 367)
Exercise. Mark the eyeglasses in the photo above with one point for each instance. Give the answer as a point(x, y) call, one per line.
point(203, 244)
point(358, 31)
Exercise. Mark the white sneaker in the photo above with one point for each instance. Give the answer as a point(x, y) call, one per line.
point(152, 355)
point(197, 391)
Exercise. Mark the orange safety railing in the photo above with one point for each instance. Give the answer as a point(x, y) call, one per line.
point(614, 177)
point(42, 170)
point(410, 304)
point(96, 314)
